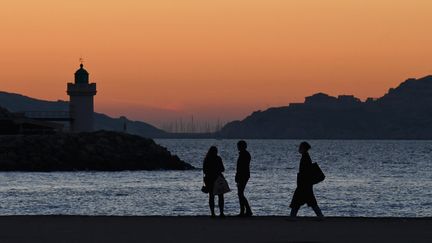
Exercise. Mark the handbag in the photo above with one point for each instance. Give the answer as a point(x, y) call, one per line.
point(204, 189)
point(316, 174)
point(220, 186)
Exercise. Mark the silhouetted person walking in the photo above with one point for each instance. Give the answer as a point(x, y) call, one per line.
point(213, 168)
point(304, 191)
point(242, 176)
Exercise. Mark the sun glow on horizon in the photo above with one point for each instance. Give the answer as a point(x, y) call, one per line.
point(158, 60)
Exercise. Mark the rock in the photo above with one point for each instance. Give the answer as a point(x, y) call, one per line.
point(99, 151)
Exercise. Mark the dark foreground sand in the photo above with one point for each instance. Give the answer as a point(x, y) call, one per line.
point(204, 229)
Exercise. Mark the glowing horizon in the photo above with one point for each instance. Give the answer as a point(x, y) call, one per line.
point(212, 59)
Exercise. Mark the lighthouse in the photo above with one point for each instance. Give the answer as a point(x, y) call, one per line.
point(81, 105)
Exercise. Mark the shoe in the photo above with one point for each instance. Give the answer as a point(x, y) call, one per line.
point(241, 215)
point(248, 214)
point(222, 215)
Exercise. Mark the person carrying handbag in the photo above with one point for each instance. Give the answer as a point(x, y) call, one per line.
point(304, 192)
point(213, 168)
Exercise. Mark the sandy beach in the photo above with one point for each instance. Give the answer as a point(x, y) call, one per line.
point(205, 229)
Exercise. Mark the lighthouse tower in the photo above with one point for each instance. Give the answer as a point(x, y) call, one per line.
point(81, 106)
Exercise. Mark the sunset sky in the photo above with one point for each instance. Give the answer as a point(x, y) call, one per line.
point(164, 59)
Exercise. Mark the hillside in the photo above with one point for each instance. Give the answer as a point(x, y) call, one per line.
point(18, 103)
point(403, 113)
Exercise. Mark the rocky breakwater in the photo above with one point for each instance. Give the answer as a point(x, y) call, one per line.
point(97, 151)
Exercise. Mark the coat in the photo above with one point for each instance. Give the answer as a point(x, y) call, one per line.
point(212, 168)
point(304, 194)
point(243, 167)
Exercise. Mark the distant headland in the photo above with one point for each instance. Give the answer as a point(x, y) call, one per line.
point(403, 113)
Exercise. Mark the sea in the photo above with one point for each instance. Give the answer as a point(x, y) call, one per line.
point(365, 178)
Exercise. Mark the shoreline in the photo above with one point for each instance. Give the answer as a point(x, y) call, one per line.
point(228, 216)
point(62, 228)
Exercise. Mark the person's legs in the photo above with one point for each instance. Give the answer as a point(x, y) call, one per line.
point(240, 193)
point(248, 209)
point(294, 211)
point(221, 205)
point(246, 203)
point(317, 211)
point(211, 204)
point(314, 204)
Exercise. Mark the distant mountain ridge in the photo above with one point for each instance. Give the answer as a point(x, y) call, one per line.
point(18, 103)
point(405, 112)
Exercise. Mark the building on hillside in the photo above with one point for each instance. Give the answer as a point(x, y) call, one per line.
point(12, 123)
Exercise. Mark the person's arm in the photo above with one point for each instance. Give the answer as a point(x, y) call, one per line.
point(236, 179)
point(222, 167)
point(205, 167)
point(303, 165)
point(308, 162)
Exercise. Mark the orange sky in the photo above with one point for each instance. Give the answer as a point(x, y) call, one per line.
point(220, 58)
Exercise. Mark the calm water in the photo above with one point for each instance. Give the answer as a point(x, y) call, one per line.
point(364, 178)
